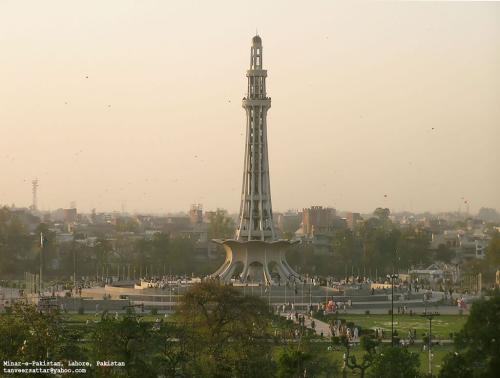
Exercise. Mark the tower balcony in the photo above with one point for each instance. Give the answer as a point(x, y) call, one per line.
point(256, 72)
point(250, 102)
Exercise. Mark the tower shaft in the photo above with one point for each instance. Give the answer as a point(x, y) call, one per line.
point(256, 218)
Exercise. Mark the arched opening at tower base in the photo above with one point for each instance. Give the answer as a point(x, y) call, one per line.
point(255, 272)
point(274, 272)
point(238, 270)
point(255, 261)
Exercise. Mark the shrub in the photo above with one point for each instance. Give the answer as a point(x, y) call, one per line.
point(154, 311)
point(81, 310)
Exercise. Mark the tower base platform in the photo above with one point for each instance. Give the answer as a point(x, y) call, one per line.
point(255, 261)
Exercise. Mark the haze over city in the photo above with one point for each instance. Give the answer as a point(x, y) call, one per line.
point(384, 104)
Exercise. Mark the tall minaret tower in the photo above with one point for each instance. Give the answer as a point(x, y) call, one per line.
point(256, 254)
point(256, 215)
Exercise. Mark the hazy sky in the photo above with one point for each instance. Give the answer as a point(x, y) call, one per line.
point(368, 99)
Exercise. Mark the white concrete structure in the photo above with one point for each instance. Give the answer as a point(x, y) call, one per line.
point(255, 254)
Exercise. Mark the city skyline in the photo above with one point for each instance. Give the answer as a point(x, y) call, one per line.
point(395, 106)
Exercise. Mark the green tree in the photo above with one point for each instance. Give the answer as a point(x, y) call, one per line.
point(382, 213)
point(345, 249)
point(368, 345)
point(221, 226)
point(444, 254)
point(171, 354)
point(102, 251)
point(394, 362)
point(303, 359)
point(455, 366)
point(413, 248)
point(493, 250)
point(30, 335)
point(227, 332)
point(478, 343)
point(292, 363)
point(126, 340)
point(17, 246)
point(380, 239)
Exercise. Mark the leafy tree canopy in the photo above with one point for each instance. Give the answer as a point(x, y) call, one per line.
point(478, 343)
point(395, 362)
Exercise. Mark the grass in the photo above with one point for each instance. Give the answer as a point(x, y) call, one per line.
point(439, 352)
point(442, 325)
point(82, 318)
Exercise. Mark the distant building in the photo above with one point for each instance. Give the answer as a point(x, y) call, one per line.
point(176, 224)
point(318, 227)
point(352, 219)
point(318, 219)
point(64, 237)
point(208, 215)
point(481, 246)
point(466, 244)
point(449, 238)
point(151, 234)
point(196, 213)
point(70, 215)
point(435, 273)
point(470, 247)
point(288, 222)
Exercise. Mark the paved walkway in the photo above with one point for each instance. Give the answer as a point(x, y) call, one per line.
point(320, 326)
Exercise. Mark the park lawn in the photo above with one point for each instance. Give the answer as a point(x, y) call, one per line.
point(439, 352)
point(442, 325)
point(82, 318)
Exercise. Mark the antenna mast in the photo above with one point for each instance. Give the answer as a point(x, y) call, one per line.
point(34, 189)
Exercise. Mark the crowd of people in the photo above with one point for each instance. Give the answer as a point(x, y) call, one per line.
point(340, 329)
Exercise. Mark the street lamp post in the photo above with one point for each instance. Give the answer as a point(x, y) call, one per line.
point(392, 277)
point(286, 284)
point(310, 295)
point(74, 269)
point(430, 316)
point(303, 293)
point(40, 289)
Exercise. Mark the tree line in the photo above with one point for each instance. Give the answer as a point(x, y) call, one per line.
point(21, 251)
